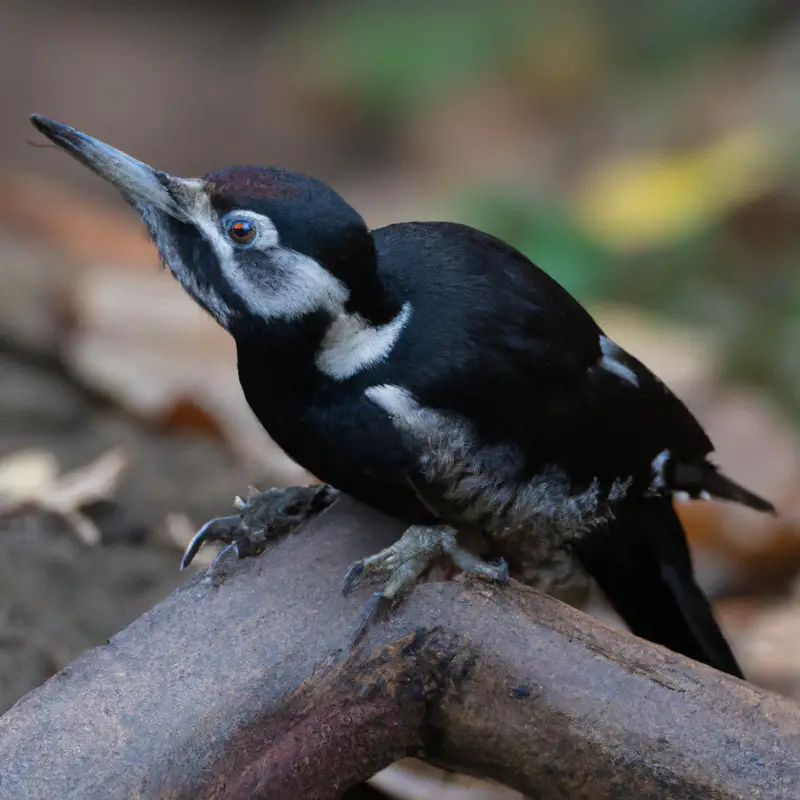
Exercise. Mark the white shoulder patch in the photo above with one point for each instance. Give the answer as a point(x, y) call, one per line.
point(659, 482)
point(612, 361)
point(394, 400)
point(351, 344)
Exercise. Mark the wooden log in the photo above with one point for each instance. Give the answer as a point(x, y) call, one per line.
point(247, 685)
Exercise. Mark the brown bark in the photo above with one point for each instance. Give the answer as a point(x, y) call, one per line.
point(247, 687)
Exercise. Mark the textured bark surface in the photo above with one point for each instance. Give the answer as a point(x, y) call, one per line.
point(247, 686)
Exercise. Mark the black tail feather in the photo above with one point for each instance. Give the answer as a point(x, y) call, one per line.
point(697, 478)
point(642, 564)
point(718, 485)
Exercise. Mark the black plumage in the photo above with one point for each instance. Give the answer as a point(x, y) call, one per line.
point(644, 567)
point(435, 373)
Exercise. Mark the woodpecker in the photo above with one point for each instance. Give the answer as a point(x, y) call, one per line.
point(435, 373)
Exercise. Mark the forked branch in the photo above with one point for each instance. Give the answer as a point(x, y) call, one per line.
point(247, 687)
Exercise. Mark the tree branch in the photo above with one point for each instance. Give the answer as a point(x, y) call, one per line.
point(247, 688)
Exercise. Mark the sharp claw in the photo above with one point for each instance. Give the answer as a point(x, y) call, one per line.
point(215, 530)
point(224, 552)
point(502, 571)
point(370, 612)
point(245, 549)
point(353, 574)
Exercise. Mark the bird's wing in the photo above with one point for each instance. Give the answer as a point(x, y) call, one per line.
point(542, 369)
point(508, 348)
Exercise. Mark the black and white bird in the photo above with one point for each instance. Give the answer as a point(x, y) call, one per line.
point(433, 372)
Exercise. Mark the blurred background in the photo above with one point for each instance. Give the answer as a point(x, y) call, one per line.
point(646, 154)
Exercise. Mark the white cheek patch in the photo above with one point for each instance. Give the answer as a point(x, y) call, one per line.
point(352, 344)
point(487, 484)
point(297, 286)
point(612, 361)
point(302, 286)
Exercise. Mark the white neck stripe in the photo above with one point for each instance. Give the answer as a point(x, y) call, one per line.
point(351, 344)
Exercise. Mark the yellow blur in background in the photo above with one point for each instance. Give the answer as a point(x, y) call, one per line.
point(646, 155)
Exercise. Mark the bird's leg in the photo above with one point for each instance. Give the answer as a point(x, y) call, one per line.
point(262, 516)
point(473, 565)
point(413, 553)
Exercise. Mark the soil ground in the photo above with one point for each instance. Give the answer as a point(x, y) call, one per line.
point(57, 595)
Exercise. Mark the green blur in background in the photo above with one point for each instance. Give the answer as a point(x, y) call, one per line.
point(640, 152)
point(682, 118)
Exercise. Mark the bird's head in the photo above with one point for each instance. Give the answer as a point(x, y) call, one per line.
point(251, 245)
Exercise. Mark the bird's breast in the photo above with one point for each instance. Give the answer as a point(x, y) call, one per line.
point(492, 485)
point(341, 438)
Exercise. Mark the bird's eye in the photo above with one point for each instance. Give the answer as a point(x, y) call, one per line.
point(241, 231)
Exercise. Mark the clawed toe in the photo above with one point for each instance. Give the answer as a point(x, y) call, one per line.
point(471, 564)
point(220, 529)
point(353, 577)
point(502, 571)
point(371, 611)
point(262, 516)
point(280, 509)
point(413, 553)
point(403, 562)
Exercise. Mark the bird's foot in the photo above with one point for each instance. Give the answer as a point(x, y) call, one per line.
point(262, 517)
point(412, 554)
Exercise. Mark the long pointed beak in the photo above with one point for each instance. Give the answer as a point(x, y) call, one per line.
point(140, 184)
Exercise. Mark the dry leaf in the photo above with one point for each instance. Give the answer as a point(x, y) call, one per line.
point(765, 634)
point(86, 230)
point(126, 328)
point(754, 443)
point(411, 778)
point(140, 340)
point(26, 472)
point(640, 202)
point(65, 496)
point(758, 447)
